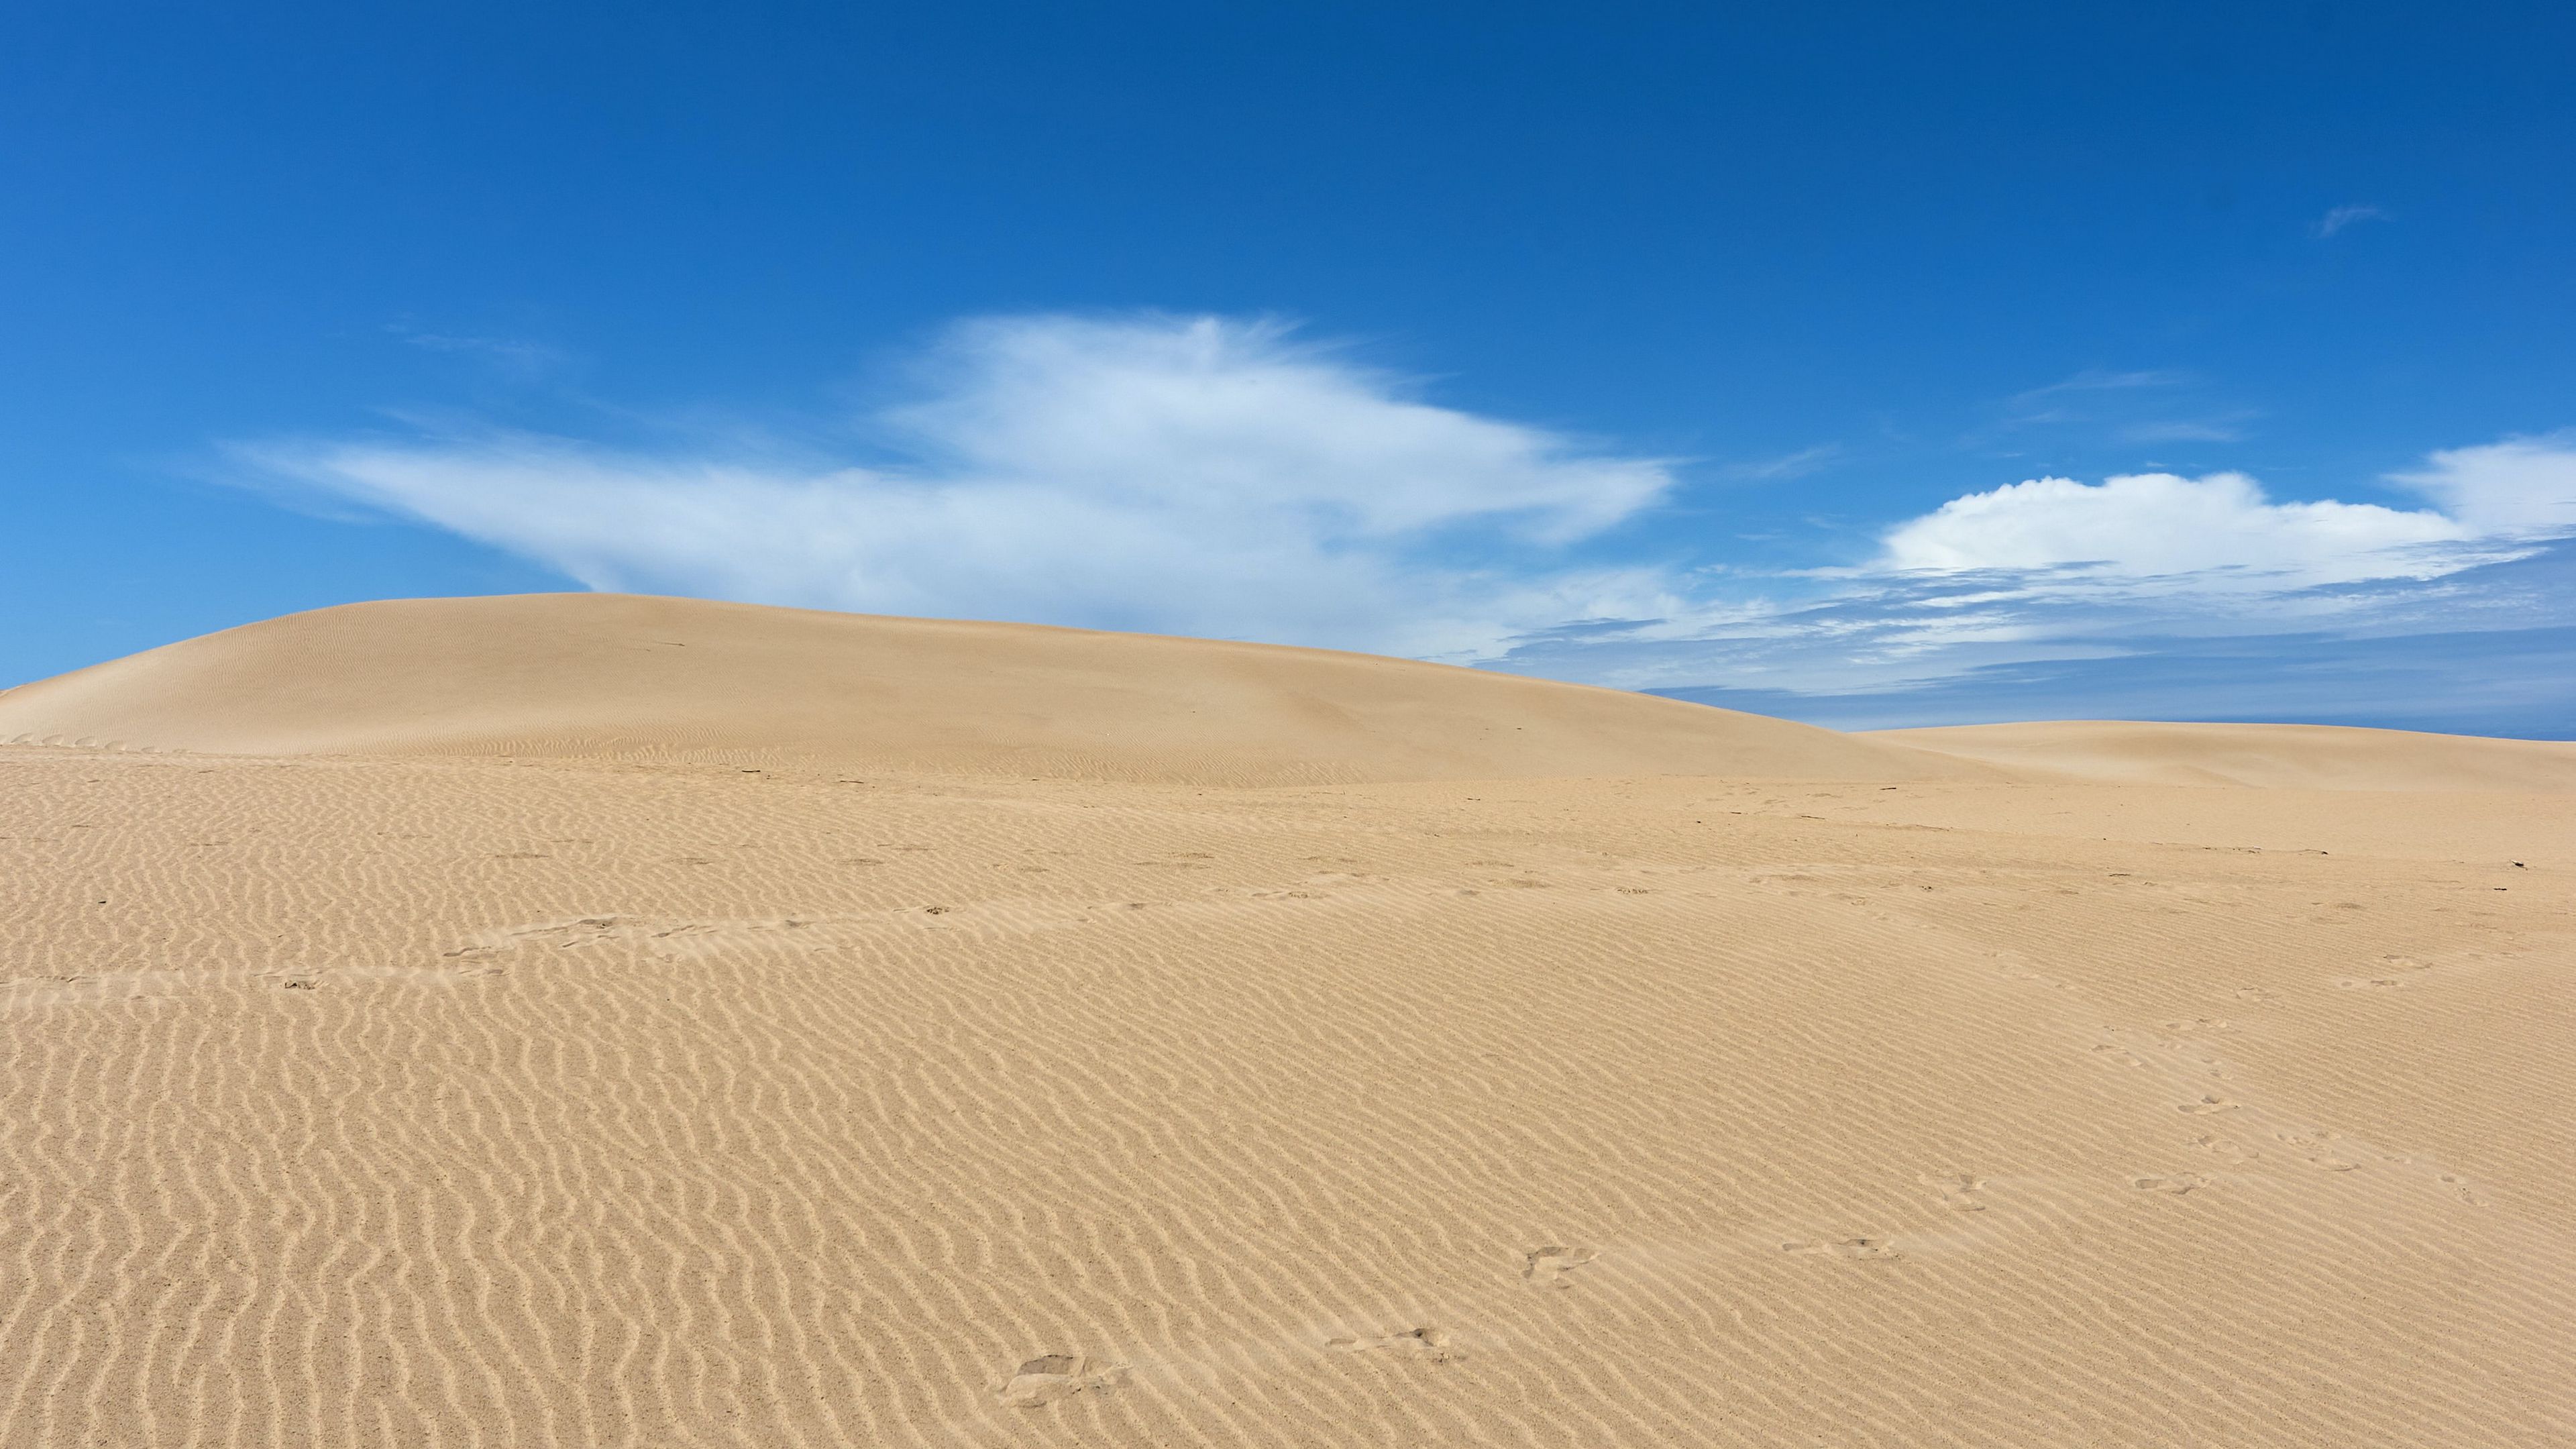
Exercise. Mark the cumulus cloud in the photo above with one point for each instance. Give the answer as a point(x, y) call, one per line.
point(2052, 570)
point(2220, 533)
point(1185, 474)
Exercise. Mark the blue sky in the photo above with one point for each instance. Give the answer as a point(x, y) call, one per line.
point(1870, 365)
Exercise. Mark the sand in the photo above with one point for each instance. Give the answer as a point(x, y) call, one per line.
point(451, 1023)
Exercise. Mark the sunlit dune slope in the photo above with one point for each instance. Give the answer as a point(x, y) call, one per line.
point(2277, 756)
point(601, 1097)
point(679, 679)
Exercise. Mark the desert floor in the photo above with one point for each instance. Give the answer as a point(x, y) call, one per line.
point(555, 1101)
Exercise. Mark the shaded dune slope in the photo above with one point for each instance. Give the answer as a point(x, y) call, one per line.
point(2316, 757)
point(686, 679)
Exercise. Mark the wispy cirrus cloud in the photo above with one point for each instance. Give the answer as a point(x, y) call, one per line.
point(2228, 429)
point(1228, 478)
point(2136, 405)
point(518, 358)
point(2096, 379)
point(2345, 216)
point(1196, 475)
point(1799, 464)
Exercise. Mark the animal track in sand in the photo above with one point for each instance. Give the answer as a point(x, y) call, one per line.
point(1864, 1248)
point(2177, 1184)
point(1430, 1343)
point(2221, 1147)
point(2391, 973)
point(2315, 1151)
point(2208, 1104)
point(1955, 1190)
point(1547, 1267)
point(1056, 1376)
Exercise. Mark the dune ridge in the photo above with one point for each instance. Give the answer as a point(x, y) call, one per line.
point(687, 679)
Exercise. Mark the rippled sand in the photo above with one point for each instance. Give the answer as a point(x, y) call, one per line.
point(688, 1089)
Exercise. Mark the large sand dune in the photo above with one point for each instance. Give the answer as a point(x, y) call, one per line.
point(499, 1033)
point(684, 679)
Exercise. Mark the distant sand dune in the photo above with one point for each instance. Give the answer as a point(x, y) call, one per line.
point(2317, 757)
point(752, 1059)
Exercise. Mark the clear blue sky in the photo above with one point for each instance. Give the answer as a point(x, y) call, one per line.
point(1866, 364)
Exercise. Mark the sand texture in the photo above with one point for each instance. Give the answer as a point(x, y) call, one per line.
point(756, 1056)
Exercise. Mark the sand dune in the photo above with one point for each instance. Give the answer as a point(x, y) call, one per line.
point(685, 679)
point(672, 1082)
point(2310, 756)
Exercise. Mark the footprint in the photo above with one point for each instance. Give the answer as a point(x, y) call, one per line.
point(2368, 983)
point(1955, 1191)
point(2315, 1151)
point(1847, 1248)
point(2121, 1055)
point(2177, 1185)
point(1056, 1376)
point(2232, 1151)
point(1548, 1266)
point(2467, 1193)
point(1430, 1343)
point(2208, 1104)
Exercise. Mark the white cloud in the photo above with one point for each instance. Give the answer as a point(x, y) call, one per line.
point(2052, 569)
point(518, 358)
point(1222, 478)
point(2520, 487)
point(2182, 430)
point(2344, 216)
point(2218, 533)
point(2095, 379)
point(1788, 465)
point(1191, 475)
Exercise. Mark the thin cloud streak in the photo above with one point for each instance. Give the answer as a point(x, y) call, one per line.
point(2344, 216)
point(1799, 464)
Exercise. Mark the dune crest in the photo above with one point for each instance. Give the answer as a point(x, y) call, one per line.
point(634, 677)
